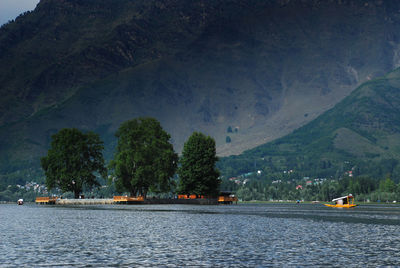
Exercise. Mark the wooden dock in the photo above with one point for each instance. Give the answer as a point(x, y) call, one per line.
point(129, 200)
point(95, 201)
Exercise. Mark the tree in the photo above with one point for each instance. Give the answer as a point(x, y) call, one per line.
point(72, 160)
point(387, 185)
point(145, 159)
point(197, 172)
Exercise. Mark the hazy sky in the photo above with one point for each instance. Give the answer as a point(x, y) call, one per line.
point(10, 9)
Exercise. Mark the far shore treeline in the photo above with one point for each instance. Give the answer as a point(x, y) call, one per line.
point(144, 162)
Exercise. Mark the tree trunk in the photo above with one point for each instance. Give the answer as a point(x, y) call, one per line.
point(133, 192)
point(76, 193)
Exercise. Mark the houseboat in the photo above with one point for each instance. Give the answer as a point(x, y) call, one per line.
point(343, 202)
point(128, 199)
point(46, 200)
point(223, 197)
point(227, 198)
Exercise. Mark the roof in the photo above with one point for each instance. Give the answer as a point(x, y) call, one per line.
point(343, 197)
point(225, 193)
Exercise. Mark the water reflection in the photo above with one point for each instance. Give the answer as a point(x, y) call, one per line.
point(180, 235)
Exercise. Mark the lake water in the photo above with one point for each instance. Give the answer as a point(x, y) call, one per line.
point(181, 235)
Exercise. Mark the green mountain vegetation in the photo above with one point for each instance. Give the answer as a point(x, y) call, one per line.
point(360, 136)
point(262, 68)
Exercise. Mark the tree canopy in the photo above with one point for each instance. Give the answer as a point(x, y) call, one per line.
point(144, 159)
point(72, 160)
point(197, 172)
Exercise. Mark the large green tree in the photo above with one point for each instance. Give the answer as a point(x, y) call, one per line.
point(73, 160)
point(145, 159)
point(197, 172)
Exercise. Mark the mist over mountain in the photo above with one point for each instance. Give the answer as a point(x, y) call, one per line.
point(260, 68)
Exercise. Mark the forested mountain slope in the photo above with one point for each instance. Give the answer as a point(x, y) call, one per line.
point(260, 68)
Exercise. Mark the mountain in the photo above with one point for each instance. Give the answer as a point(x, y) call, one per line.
point(260, 68)
point(359, 136)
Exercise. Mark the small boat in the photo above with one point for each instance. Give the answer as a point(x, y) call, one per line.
point(343, 202)
point(20, 201)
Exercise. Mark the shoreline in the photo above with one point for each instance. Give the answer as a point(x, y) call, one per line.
point(157, 201)
point(150, 201)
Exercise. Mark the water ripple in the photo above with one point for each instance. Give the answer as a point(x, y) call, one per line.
point(210, 236)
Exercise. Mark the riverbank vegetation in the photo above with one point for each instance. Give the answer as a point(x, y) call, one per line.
point(144, 162)
point(364, 189)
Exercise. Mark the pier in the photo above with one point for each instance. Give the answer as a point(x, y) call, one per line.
point(95, 201)
point(125, 200)
point(224, 197)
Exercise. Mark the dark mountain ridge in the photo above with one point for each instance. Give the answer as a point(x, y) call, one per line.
point(263, 68)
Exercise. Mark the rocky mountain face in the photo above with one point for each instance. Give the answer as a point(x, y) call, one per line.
point(359, 136)
point(260, 68)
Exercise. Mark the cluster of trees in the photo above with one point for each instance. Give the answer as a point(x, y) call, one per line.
point(144, 161)
point(13, 193)
point(273, 165)
point(363, 188)
point(228, 138)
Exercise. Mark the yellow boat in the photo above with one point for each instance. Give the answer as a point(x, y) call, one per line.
point(343, 202)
